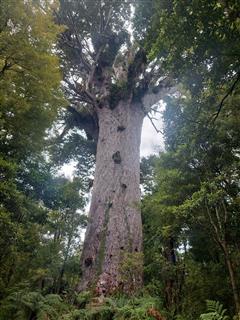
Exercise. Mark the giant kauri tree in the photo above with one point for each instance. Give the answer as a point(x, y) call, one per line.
point(111, 87)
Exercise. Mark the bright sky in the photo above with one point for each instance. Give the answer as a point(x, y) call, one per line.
point(152, 142)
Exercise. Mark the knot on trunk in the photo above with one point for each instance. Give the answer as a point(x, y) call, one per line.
point(120, 128)
point(124, 186)
point(88, 262)
point(117, 157)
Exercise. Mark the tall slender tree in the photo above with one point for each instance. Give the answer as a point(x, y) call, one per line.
point(111, 87)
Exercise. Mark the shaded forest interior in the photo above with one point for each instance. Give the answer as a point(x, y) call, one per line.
point(162, 238)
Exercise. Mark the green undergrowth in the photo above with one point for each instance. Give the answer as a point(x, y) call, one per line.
point(114, 308)
point(25, 305)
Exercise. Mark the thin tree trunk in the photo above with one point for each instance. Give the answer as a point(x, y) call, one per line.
point(220, 239)
point(232, 277)
point(114, 232)
point(62, 271)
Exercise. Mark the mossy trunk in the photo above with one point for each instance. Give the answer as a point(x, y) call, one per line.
point(114, 230)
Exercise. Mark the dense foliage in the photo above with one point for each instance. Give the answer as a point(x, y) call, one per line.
point(192, 216)
point(39, 212)
point(191, 190)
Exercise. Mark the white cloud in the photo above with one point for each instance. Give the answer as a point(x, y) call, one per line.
point(152, 141)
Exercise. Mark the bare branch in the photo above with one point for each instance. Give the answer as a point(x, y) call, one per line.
point(91, 74)
point(212, 221)
point(82, 93)
point(82, 61)
point(229, 92)
point(108, 18)
point(154, 110)
point(153, 124)
point(87, 48)
point(101, 27)
point(64, 132)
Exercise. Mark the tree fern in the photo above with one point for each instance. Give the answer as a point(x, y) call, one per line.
point(22, 305)
point(215, 311)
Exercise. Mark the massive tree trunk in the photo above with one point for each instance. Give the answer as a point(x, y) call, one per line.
point(111, 257)
point(109, 83)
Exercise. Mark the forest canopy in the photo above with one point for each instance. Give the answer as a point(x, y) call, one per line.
point(123, 237)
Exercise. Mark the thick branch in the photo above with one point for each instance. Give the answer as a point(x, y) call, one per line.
point(86, 122)
point(79, 48)
point(155, 94)
point(82, 94)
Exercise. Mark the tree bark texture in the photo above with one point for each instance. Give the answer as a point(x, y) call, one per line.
point(111, 258)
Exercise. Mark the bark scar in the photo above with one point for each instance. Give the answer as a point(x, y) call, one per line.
point(120, 128)
point(117, 157)
point(124, 186)
point(88, 262)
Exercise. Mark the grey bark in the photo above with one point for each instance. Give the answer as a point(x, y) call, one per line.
point(114, 231)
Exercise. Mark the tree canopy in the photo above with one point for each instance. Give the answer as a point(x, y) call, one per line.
point(76, 81)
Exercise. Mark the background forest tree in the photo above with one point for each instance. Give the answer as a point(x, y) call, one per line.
point(196, 194)
point(190, 204)
point(39, 221)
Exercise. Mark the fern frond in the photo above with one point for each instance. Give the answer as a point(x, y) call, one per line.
point(215, 311)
